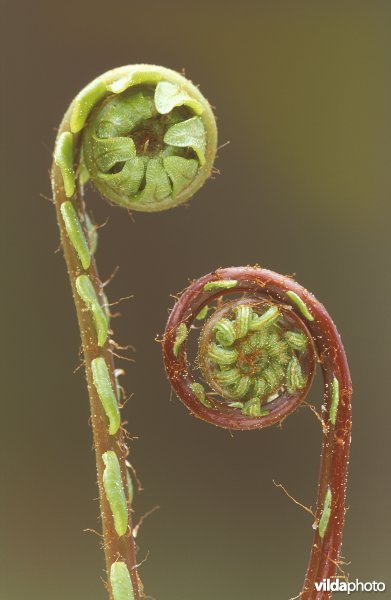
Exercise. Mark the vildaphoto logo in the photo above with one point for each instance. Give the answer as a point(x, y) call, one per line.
point(349, 587)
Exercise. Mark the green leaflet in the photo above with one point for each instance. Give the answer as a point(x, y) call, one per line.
point(199, 392)
point(188, 134)
point(242, 387)
point(108, 152)
point(85, 101)
point(138, 74)
point(123, 114)
point(253, 408)
point(157, 183)
point(260, 322)
point(278, 351)
point(102, 382)
point(296, 340)
point(75, 233)
point(334, 400)
point(295, 378)
point(181, 171)
point(63, 157)
point(169, 95)
point(225, 332)
point(180, 336)
point(220, 284)
point(228, 376)
point(261, 388)
point(244, 315)
point(203, 312)
point(120, 582)
point(222, 356)
point(274, 375)
point(112, 483)
point(301, 305)
point(325, 517)
point(128, 179)
point(87, 293)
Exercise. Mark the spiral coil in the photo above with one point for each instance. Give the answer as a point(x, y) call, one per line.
point(257, 352)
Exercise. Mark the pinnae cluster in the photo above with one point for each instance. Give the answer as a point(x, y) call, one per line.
point(145, 145)
point(249, 355)
point(144, 135)
point(255, 359)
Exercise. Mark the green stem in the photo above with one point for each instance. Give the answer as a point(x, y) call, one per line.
point(115, 547)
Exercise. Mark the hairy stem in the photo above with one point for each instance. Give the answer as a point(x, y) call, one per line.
point(146, 137)
point(258, 353)
point(115, 547)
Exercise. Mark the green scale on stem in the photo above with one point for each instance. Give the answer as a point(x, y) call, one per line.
point(251, 356)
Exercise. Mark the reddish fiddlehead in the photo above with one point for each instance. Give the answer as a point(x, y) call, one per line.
point(256, 359)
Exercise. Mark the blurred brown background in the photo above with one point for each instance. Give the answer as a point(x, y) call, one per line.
point(302, 91)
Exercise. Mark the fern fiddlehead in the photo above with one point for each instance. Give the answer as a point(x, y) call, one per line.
point(256, 359)
point(146, 137)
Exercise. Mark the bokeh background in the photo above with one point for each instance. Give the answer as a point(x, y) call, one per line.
point(302, 93)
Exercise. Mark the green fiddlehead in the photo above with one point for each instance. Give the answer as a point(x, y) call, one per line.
point(146, 137)
point(149, 138)
point(246, 354)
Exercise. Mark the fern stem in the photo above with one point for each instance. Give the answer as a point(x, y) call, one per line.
point(146, 137)
point(257, 353)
